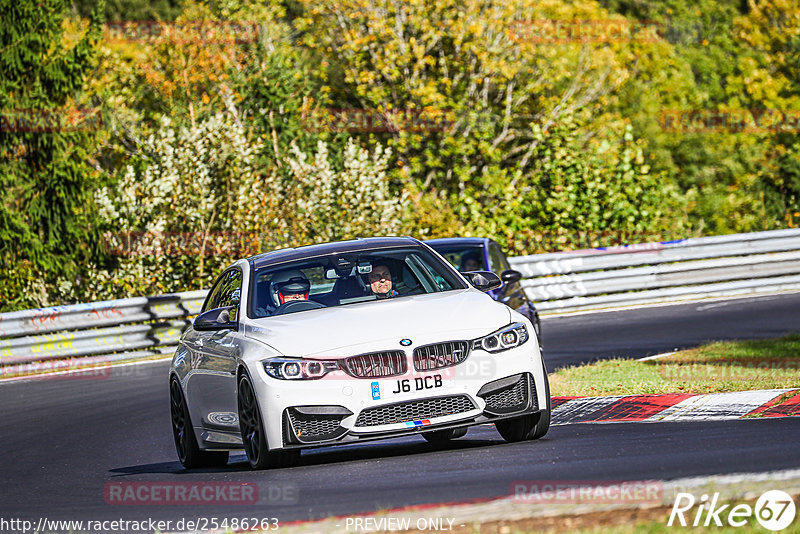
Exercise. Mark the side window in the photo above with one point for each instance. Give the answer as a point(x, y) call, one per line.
point(316, 276)
point(213, 296)
point(504, 261)
point(231, 290)
point(425, 273)
point(471, 259)
point(498, 260)
point(227, 291)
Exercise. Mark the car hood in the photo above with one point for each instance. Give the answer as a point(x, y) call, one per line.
point(381, 325)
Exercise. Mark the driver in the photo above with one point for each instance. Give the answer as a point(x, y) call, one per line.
point(380, 281)
point(289, 285)
point(470, 261)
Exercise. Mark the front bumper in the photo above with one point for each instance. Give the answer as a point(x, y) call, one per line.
point(308, 426)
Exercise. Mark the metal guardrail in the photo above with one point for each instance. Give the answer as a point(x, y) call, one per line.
point(669, 271)
point(97, 331)
point(719, 266)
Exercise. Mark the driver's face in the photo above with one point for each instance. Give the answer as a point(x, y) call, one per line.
point(380, 279)
point(294, 296)
point(471, 265)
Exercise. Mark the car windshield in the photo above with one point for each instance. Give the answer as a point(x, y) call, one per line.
point(463, 258)
point(341, 279)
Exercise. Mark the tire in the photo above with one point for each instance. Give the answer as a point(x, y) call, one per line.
point(189, 453)
point(531, 426)
point(252, 429)
point(517, 429)
point(443, 436)
point(543, 424)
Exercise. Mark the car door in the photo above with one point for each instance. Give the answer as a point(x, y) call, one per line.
point(211, 387)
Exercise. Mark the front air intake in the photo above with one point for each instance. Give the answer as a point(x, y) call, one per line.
point(403, 412)
point(509, 395)
point(309, 424)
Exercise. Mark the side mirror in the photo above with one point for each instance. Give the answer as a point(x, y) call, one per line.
point(511, 276)
point(484, 280)
point(217, 319)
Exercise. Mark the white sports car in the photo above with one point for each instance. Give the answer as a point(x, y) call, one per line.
point(351, 341)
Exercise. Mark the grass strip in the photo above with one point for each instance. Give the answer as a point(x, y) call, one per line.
point(714, 368)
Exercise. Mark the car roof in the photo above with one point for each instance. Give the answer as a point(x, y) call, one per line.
point(339, 247)
point(445, 241)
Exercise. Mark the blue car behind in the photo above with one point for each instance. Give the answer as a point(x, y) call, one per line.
point(484, 254)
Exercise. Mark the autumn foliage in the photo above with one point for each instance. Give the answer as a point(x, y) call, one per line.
point(221, 129)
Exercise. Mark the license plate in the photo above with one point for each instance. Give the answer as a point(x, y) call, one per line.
point(419, 383)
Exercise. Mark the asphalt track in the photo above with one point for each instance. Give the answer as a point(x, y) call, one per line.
point(636, 333)
point(64, 440)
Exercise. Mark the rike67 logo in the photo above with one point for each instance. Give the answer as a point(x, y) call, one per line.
point(774, 510)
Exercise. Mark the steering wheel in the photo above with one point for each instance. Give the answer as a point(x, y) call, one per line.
point(296, 306)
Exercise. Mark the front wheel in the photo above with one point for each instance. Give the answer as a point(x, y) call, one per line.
point(189, 453)
point(252, 429)
point(543, 424)
point(531, 426)
point(517, 429)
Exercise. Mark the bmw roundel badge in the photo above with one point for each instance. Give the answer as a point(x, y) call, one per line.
point(405, 342)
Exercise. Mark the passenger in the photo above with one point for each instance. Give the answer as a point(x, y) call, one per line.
point(289, 285)
point(380, 281)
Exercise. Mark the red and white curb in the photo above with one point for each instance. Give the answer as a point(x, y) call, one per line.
point(676, 407)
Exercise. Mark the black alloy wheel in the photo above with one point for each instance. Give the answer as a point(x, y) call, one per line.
point(189, 453)
point(252, 429)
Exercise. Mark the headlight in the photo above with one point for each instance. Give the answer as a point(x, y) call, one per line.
point(298, 368)
point(506, 338)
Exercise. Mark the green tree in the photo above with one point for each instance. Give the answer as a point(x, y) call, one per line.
point(724, 56)
point(473, 91)
point(188, 201)
point(459, 83)
point(46, 222)
point(580, 193)
point(354, 201)
point(770, 78)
